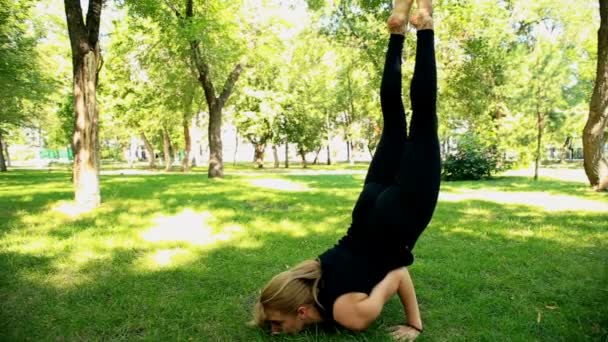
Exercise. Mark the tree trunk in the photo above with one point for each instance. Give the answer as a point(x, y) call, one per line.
point(351, 161)
point(565, 149)
point(596, 165)
point(539, 137)
point(303, 156)
point(347, 150)
point(150, 150)
point(236, 147)
point(2, 160)
point(86, 63)
point(316, 160)
point(259, 155)
point(86, 139)
point(167, 150)
point(188, 141)
point(7, 155)
point(328, 155)
point(275, 156)
point(216, 164)
point(286, 155)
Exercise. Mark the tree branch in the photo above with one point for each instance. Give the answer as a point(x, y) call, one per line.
point(234, 76)
point(174, 9)
point(93, 19)
point(363, 45)
point(76, 27)
point(203, 73)
point(189, 10)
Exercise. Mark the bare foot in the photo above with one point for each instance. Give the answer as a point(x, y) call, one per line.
point(423, 18)
point(398, 20)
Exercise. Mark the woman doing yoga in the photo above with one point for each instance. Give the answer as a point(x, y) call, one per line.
point(350, 283)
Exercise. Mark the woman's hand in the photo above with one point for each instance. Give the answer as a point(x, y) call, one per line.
point(403, 333)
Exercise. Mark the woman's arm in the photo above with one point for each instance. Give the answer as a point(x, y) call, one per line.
point(357, 311)
point(407, 294)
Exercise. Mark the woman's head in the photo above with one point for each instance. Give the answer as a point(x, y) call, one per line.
point(287, 302)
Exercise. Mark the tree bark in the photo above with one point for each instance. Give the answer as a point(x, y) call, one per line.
point(316, 160)
point(275, 155)
point(86, 62)
point(2, 160)
point(216, 165)
point(347, 150)
point(286, 155)
point(539, 137)
point(236, 147)
point(565, 149)
point(167, 150)
point(150, 150)
point(259, 155)
point(303, 156)
point(596, 165)
point(188, 141)
point(7, 155)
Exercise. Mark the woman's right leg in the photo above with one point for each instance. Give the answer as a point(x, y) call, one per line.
point(420, 170)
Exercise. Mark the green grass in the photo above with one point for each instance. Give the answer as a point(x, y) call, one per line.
point(180, 257)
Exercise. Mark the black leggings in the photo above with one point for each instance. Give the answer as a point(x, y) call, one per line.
point(402, 183)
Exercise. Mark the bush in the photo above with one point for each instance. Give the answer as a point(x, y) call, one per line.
point(471, 160)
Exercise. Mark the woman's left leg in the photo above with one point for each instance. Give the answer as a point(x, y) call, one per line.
point(403, 210)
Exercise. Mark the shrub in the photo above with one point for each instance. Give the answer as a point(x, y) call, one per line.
point(472, 160)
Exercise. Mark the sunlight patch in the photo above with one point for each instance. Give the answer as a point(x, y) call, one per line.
point(546, 201)
point(84, 257)
point(466, 231)
point(71, 209)
point(168, 257)
point(479, 212)
point(278, 184)
point(37, 245)
point(192, 227)
point(520, 233)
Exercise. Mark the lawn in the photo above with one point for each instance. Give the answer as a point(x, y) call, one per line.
point(174, 257)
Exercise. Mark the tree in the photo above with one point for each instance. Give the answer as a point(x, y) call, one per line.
point(262, 89)
point(311, 93)
point(144, 95)
point(356, 101)
point(23, 85)
point(215, 101)
point(594, 133)
point(215, 44)
point(86, 63)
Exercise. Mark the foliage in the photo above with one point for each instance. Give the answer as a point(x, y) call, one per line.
point(472, 160)
point(23, 84)
point(311, 89)
point(62, 136)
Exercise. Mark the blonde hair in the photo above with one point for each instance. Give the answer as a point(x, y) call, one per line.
point(288, 290)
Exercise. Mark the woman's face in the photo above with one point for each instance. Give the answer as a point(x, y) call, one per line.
point(283, 323)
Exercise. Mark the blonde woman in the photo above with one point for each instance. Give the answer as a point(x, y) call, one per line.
point(350, 283)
